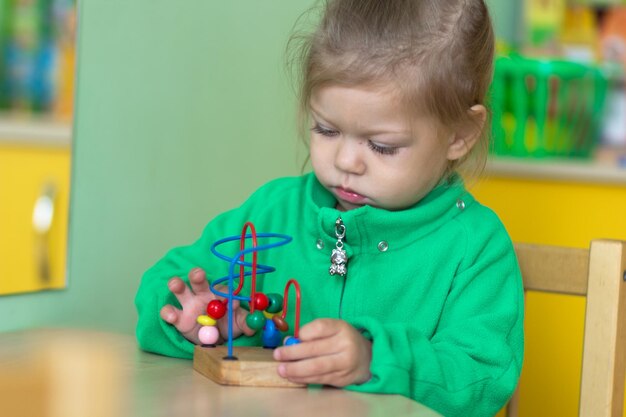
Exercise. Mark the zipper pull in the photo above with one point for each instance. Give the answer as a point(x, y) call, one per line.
point(338, 257)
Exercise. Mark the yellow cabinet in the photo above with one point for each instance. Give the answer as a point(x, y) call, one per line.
point(564, 204)
point(34, 200)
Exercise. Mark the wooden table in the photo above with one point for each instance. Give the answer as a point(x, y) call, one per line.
point(74, 373)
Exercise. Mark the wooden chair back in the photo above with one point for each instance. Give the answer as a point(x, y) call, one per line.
point(599, 274)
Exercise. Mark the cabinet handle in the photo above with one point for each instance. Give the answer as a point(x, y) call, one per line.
point(43, 216)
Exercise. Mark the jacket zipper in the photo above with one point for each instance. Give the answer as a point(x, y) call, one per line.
point(339, 259)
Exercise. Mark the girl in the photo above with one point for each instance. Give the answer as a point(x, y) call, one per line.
point(429, 301)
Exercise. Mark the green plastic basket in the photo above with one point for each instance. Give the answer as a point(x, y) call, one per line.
point(546, 108)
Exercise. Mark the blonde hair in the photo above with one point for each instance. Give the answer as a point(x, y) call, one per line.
point(439, 54)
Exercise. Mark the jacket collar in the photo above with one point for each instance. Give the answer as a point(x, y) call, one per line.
point(367, 226)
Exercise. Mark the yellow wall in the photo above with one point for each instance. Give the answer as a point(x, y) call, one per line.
point(24, 172)
point(558, 213)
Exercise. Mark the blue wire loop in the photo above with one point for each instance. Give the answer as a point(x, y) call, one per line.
point(236, 260)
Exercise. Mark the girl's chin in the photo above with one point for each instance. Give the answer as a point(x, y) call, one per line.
point(347, 206)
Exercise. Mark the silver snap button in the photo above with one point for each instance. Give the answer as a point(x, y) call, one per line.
point(460, 204)
point(383, 246)
point(320, 244)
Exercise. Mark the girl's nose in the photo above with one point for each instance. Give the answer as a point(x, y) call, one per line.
point(348, 157)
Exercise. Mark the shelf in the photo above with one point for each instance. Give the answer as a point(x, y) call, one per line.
point(45, 131)
point(557, 170)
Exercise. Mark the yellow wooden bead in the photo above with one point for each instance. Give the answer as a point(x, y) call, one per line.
point(206, 320)
point(269, 315)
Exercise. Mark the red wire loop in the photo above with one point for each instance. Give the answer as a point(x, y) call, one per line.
point(242, 246)
point(286, 303)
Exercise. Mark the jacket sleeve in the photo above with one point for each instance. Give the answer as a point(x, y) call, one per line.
point(154, 334)
point(471, 364)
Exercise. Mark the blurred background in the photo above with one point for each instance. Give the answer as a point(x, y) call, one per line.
point(558, 87)
point(126, 125)
point(37, 73)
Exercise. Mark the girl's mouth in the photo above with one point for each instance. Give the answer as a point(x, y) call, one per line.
point(350, 196)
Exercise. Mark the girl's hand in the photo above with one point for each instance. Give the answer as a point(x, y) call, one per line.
point(331, 352)
point(194, 301)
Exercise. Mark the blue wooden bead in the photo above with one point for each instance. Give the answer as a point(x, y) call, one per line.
point(271, 337)
point(291, 340)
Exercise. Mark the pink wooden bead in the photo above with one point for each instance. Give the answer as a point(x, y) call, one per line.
point(208, 335)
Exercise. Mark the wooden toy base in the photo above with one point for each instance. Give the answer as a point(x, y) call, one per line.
point(254, 366)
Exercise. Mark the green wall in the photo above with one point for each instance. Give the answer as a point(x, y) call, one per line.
point(183, 108)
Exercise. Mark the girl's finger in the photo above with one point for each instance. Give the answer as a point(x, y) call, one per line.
point(224, 290)
point(198, 281)
point(239, 323)
point(180, 290)
point(175, 317)
point(170, 314)
point(222, 324)
point(324, 371)
point(320, 329)
point(308, 368)
point(305, 350)
point(240, 320)
point(335, 379)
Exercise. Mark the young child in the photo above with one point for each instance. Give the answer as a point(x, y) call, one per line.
point(430, 304)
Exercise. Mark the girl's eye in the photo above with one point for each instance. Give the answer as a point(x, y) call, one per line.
point(383, 150)
point(324, 131)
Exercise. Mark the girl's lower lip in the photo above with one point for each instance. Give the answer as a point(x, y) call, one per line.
point(350, 196)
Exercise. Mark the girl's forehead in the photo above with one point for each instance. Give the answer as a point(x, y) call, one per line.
point(375, 97)
point(364, 97)
point(406, 86)
point(369, 107)
point(380, 85)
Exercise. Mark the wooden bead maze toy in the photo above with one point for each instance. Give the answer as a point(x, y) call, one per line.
point(250, 366)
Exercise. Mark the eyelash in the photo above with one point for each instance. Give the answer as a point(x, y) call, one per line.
point(383, 150)
point(323, 131)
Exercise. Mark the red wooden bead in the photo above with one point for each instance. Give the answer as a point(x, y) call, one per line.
point(280, 323)
point(216, 309)
point(261, 301)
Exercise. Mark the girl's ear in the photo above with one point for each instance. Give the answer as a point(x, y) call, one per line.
point(464, 138)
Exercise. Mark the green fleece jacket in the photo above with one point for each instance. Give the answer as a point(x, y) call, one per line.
point(436, 288)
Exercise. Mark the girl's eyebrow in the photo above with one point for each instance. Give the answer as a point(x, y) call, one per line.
point(316, 115)
point(366, 132)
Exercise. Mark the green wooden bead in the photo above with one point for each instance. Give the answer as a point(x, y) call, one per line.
point(255, 320)
point(275, 303)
